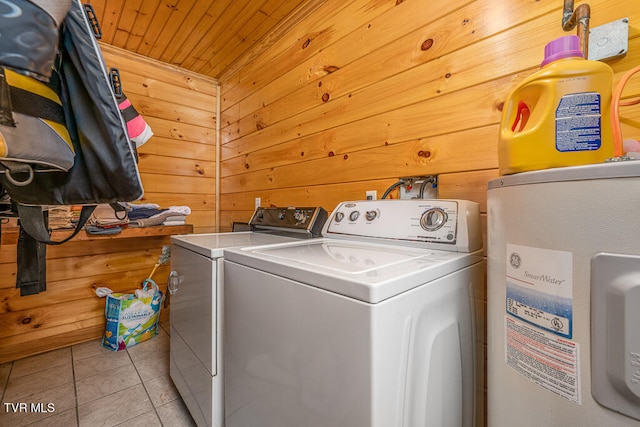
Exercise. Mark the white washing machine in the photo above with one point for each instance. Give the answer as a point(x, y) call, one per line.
point(371, 325)
point(195, 286)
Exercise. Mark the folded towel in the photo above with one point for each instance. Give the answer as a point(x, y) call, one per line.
point(171, 223)
point(132, 206)
point(184, 210)
point(151, 221)
point(141, 213)
point(92, 229)
point(105, 215)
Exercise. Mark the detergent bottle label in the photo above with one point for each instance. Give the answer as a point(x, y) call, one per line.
point(578, 122)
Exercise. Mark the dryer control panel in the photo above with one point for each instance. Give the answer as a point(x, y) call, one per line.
point(292, 219)
point(452, 225)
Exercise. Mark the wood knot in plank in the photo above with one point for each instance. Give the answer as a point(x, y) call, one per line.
point(325, 97)
point(330, 68)
point(427, 44)
point(424, 153)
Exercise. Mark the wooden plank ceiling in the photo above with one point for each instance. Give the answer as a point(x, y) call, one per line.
point(204, 36)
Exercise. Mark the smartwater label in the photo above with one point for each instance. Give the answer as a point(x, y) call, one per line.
point(578, 122)
point(540, 288)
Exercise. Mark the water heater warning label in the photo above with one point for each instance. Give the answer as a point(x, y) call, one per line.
point(543, 358)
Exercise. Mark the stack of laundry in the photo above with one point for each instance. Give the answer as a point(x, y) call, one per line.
point(60, 217)
point(75, 214)
point(150, 214)
point(107, 220)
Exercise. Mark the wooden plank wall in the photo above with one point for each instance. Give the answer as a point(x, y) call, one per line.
point(177, 167)
point(339, 106)
point(178, 164)
point(69, 311)
point(363, 92)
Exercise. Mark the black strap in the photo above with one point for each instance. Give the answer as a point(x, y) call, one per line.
point(31, 277)
point(32, 219)
point(129, 113)
point(34, 105)
point(6, 116)
point(119, 211)
point(34, 236)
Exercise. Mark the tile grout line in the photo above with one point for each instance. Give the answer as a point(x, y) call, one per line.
point(155, 410)
point(75, 387)
point(6, 383)
point(76, 403)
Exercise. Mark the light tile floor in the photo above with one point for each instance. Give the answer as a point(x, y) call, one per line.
point(89, 385)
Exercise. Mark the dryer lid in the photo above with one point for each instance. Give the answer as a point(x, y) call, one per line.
point(365, 271)
point(212, 244)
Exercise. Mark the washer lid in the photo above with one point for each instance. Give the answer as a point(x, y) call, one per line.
point(365, 271)
point(212, 244)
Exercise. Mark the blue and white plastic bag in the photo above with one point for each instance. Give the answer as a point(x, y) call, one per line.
point(132, 318)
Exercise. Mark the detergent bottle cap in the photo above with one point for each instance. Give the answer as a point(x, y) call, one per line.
point(562, 47)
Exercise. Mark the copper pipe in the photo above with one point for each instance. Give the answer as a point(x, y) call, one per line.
point(577, 18)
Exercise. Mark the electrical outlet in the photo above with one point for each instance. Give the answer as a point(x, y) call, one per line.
point(258, 202)
point(413, 185)
point(372, 195)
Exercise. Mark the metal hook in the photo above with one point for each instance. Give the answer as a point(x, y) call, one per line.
point(19, 168)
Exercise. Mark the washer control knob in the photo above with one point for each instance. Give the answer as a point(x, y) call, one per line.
point(371, 215)
point(339, 216)
point(300, 216)
point(433, 219)
point(354, 215)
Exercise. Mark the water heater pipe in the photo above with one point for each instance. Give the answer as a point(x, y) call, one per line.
point(577, 18)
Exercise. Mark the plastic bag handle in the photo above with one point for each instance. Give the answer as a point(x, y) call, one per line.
point(148, 281)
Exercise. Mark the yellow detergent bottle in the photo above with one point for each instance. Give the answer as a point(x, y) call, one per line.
point(559, 116)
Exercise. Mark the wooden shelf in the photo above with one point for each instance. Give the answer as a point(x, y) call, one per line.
point(10, 234)
point(131, 232)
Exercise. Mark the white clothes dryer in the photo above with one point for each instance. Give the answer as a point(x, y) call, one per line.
point(196, 291)
point(371, 325)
